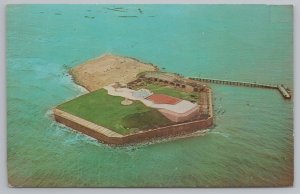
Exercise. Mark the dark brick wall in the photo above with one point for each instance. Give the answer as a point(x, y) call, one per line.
point(168, 131)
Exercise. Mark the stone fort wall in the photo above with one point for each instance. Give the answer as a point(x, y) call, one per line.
point(161, 132)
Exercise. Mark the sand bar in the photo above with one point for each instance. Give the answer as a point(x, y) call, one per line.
point(97, 73)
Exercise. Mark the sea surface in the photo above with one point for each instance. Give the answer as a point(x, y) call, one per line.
point(251, 143)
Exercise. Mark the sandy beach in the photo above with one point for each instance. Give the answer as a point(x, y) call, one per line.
point(97, 73)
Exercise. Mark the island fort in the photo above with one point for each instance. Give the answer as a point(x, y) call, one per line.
point(130, 101)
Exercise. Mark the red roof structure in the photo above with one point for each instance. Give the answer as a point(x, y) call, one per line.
point(163, 99)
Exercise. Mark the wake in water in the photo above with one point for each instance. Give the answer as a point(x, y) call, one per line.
point(219, 133)
point(71, 136)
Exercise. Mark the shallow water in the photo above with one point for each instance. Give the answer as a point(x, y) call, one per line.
point(251, 144)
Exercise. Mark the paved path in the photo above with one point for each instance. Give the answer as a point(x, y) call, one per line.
point(87, 124)
point(181, 107)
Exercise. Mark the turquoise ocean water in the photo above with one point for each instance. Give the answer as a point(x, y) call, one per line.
point(251, 143)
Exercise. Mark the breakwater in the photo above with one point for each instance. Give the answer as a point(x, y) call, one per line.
point(281, 88)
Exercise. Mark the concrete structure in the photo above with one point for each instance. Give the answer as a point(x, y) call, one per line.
point(180, 117)
point(182, 110)
point(175, 113)
point(169, 79)
point(142, 93)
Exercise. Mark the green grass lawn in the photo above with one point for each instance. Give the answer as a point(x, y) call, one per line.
point(157, 89)
point(105, 110)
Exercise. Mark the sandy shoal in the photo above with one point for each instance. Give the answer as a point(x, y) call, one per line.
point(102, 71)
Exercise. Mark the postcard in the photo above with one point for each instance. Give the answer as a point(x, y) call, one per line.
point(156, 95)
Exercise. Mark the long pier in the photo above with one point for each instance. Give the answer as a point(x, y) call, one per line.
point(284, 92)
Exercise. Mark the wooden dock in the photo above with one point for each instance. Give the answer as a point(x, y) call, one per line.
point(283, 91)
